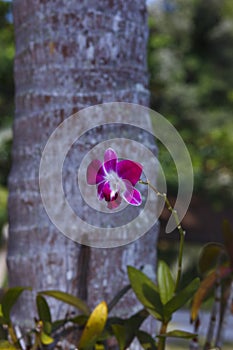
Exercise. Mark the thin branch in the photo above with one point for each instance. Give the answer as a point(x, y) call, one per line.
point(178, 225)
point(194, 344)
point(215, 312)
point(226, 314)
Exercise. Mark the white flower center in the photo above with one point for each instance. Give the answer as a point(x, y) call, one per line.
point(117, 185)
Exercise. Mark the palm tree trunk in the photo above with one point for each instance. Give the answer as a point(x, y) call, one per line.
point(69, 55)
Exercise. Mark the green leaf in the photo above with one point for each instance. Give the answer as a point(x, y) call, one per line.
point(94, 326)
point(44, 313)
point(165, 282)
point(209, 257)
point(46, 339)
point(68, 299)
point(146, 341)
point(178, 334)
point(125, 329)
point(2, 319)
point(181, 297)
point(9, 299)
point(132, 325)
point(120, 334)
point(81, 320)
point(5, 345)
point(146, 292)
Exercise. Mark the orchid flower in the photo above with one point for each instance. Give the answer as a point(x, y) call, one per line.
point(115, 179)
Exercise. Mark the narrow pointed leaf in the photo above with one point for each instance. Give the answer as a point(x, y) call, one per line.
point(81, 320)
point(205, 287)
point(146, 341)
point(181, 298)
point(126, 330)
point(9, 299)
point(165, 282)
point(178, 334)
point(43, 309)
point(68, 299)
point(133, 324)
point(120, 334)
point(94, 326)
point(146, 292)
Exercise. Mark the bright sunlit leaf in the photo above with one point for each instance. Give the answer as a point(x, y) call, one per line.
point(94, 326)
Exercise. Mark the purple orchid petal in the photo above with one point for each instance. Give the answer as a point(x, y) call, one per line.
point(104, 191)
point(114, 204)
point(131, 195)
point(95, 172)
point(129, 170)
point(100, 190)
point(110, 160)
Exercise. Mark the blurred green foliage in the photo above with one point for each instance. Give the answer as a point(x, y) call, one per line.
point(6, 102)
point(6, 65)
point(191, 79)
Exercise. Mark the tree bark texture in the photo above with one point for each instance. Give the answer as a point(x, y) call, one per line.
point(69, 55)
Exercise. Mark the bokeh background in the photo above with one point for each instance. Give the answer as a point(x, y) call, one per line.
point(190, 60)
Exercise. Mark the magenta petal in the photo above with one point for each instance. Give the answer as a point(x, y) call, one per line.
point(104, 191)
point(129, 170)
point(110, 160)
point(136, 198)
point(100, 190)
point(95, 172)
point(132, 195)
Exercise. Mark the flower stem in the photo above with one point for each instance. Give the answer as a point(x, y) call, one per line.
point(178, 225)
point(162, 340)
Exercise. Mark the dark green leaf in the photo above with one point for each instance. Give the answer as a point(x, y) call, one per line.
point(146, 341)
point(178, 334)
point(58, 324)
point(80, 319)
point(146, 292)
point(181, 297)
point(165, 282)
point(120, 334)
point(125, 330)
point(68, 299)
point(9, 299)
point(43, 309)
point(132, 325)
